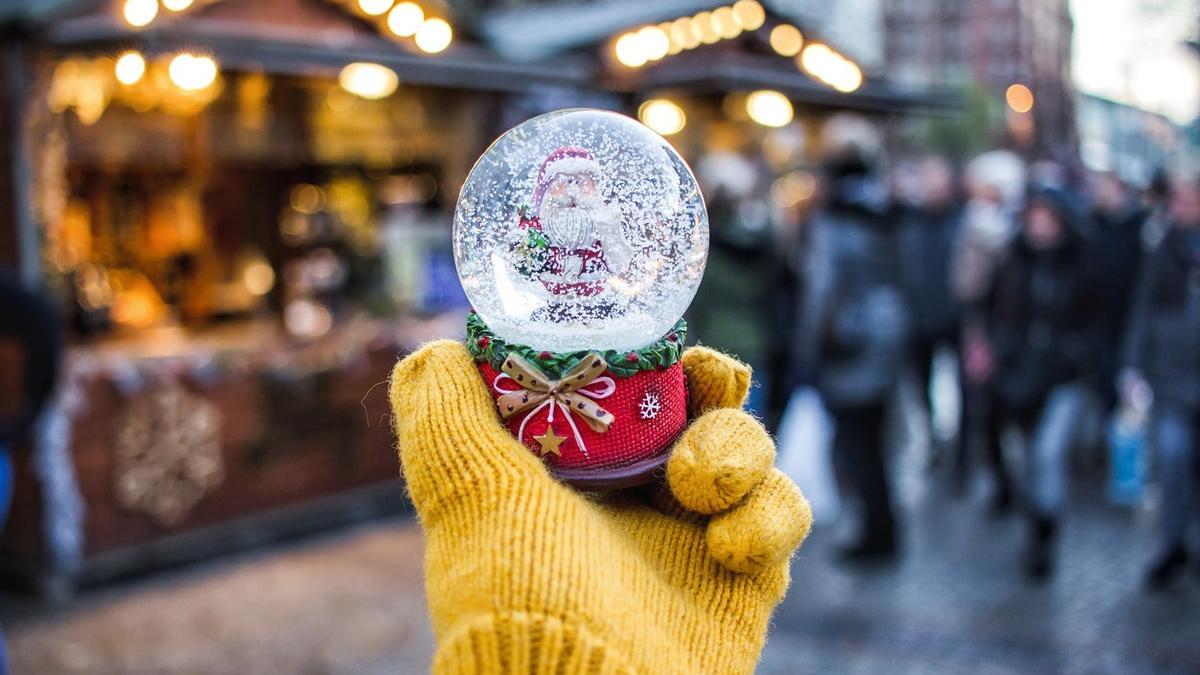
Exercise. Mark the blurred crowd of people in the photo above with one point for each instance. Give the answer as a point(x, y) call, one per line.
point(1070, 300)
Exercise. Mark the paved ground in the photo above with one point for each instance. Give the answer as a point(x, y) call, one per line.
point(957, 604)
point(350, 603)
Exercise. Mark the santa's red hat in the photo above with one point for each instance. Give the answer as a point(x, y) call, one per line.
point(563, 161)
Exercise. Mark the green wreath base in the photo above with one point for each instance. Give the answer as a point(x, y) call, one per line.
point(666, 351)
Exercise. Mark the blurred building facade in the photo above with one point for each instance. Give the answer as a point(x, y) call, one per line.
point(994, 44)
point(1129, 141)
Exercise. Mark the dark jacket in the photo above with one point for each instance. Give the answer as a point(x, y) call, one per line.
point(853, 318)
point(1114, 255)
point(732, 309)
point(926, 239)
point(1041, 313)
point(29, 320)
point(1163, 342)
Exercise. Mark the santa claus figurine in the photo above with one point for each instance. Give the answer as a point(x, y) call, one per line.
point(572, 238)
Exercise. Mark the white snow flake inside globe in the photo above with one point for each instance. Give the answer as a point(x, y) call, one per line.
point(580, 229)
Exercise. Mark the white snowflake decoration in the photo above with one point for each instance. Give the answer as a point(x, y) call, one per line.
point(650, 406)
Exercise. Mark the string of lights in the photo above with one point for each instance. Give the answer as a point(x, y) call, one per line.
point(640, 46)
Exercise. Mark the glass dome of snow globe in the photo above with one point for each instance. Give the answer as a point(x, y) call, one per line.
point(580, 230)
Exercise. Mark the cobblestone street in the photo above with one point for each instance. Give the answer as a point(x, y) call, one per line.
point(957, 603)
point(351, 603)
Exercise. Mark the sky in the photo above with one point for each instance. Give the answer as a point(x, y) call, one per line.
point(1131, 51)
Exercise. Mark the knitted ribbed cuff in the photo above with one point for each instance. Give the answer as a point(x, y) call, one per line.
point(521, 642)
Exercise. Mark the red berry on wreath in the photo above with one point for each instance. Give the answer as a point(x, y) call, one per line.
point(631, 357)
point(545, 356)
point(673, 337)
point(483, 341)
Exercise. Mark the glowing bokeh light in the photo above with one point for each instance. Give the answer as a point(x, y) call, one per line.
point(786, 40)
point(192, 73)
point(129, 68)
point(769, 108)
point(1019, 97)
point(368, 80)
point(749, 14)
point(663, 116)
point(406, 19)
point(139, 13)
point(434, 36)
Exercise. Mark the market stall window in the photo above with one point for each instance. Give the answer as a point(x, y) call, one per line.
point(172, 192)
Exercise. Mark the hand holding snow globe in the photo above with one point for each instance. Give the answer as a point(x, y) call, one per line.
point(580, 237)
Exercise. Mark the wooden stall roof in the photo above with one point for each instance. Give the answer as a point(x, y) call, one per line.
point(299, 37)
point(556, 43)
point(550, 30)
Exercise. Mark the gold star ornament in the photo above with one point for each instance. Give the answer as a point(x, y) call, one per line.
point(550, 442)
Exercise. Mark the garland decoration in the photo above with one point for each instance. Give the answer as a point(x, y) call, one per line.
point(484, 345)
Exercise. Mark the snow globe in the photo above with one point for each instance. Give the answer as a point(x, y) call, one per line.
point(580, 237)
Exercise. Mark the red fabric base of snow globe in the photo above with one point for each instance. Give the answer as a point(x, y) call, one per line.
point(649, 411)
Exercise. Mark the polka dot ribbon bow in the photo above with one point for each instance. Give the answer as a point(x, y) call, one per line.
point(573, 393)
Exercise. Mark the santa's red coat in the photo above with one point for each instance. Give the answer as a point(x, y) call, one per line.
point(591, 262)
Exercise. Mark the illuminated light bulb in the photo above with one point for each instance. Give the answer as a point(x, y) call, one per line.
point(139, 13)
point(368, 80)
point(130, 68)
point(815, 59)
point(674, 46)
point(663, 116)
point(749, 14)
point(702, 25)
point(850, 77)
point(258, 278)
point(176, 5)
point(434, 36)
point(769, 108)
point(1019, 98)
point(786, 39)
point(374, 7)
point(405, 19)
point(682, 33)
point(830, 67)
point(654, 41)
point(192, 73)
point(725, 24)
point(629, 51)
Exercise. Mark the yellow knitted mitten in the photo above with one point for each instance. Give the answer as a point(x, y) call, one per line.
point(526, 575)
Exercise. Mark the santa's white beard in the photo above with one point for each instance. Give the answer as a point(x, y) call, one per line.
point(573, 227)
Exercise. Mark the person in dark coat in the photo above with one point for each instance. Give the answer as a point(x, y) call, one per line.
point(929, 229)
point(1114, 254)
point(1163, 351)
point(853, 320)
point(731, 311)
point(995, 185)
point(1038, 329)
point(30, 345)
